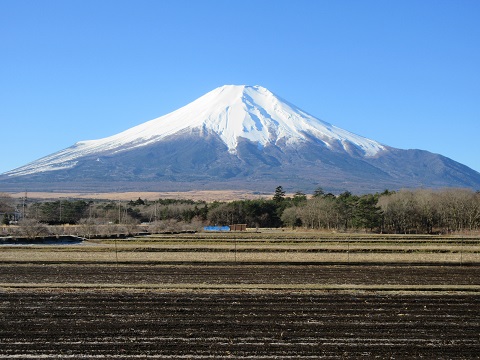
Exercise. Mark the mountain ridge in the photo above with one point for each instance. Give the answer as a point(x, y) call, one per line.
point(222, 111)
point(238, 135)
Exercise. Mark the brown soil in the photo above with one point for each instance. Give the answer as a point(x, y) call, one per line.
point(249, 325)
point(143, 323)
point(238, 274)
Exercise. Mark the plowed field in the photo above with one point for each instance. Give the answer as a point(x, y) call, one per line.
point(232, 311)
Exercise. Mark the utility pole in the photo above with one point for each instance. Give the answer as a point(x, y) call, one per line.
point(119, 211)
point(24, 205)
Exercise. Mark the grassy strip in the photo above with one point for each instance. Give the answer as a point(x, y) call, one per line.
point(343, 248)
point(289, 241)
point(225, 257)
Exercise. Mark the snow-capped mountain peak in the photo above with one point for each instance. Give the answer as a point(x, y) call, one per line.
point(231, 112)
point(237, 137)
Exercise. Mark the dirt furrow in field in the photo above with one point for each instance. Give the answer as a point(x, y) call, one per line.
point(219, 324)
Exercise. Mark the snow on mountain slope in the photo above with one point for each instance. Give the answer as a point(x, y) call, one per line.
point(231, 112)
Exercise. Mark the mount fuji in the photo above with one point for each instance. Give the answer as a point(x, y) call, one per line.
point(237, 137)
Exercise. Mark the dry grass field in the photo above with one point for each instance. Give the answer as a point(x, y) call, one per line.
point(268, 295)
point(268, 246)
point(198, 195)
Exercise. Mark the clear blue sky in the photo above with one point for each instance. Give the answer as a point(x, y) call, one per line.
point(404, 73)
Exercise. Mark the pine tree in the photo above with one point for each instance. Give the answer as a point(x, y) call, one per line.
point(279, 195)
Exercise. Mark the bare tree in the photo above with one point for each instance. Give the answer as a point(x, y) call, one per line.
point(130, 225)
point(32, 228)
point(289, 216)
point(473, 211)
point(7, 206)
point(7, 203)
point(319, 213)
point(459, 209)
point(87, 227)
point(426, 211)
point(162, 226)
point(426, 203)
point(399, 211)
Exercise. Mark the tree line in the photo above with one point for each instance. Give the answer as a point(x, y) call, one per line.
point(421, 211)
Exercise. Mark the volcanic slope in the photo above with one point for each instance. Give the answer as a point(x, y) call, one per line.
point(237, 137)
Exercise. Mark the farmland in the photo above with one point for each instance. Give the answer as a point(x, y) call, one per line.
point(262, 247)
point(253, 295)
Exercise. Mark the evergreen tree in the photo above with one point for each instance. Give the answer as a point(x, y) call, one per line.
point(299, 198)
point(318, 192)
point(367, 214)
point(279, 195)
